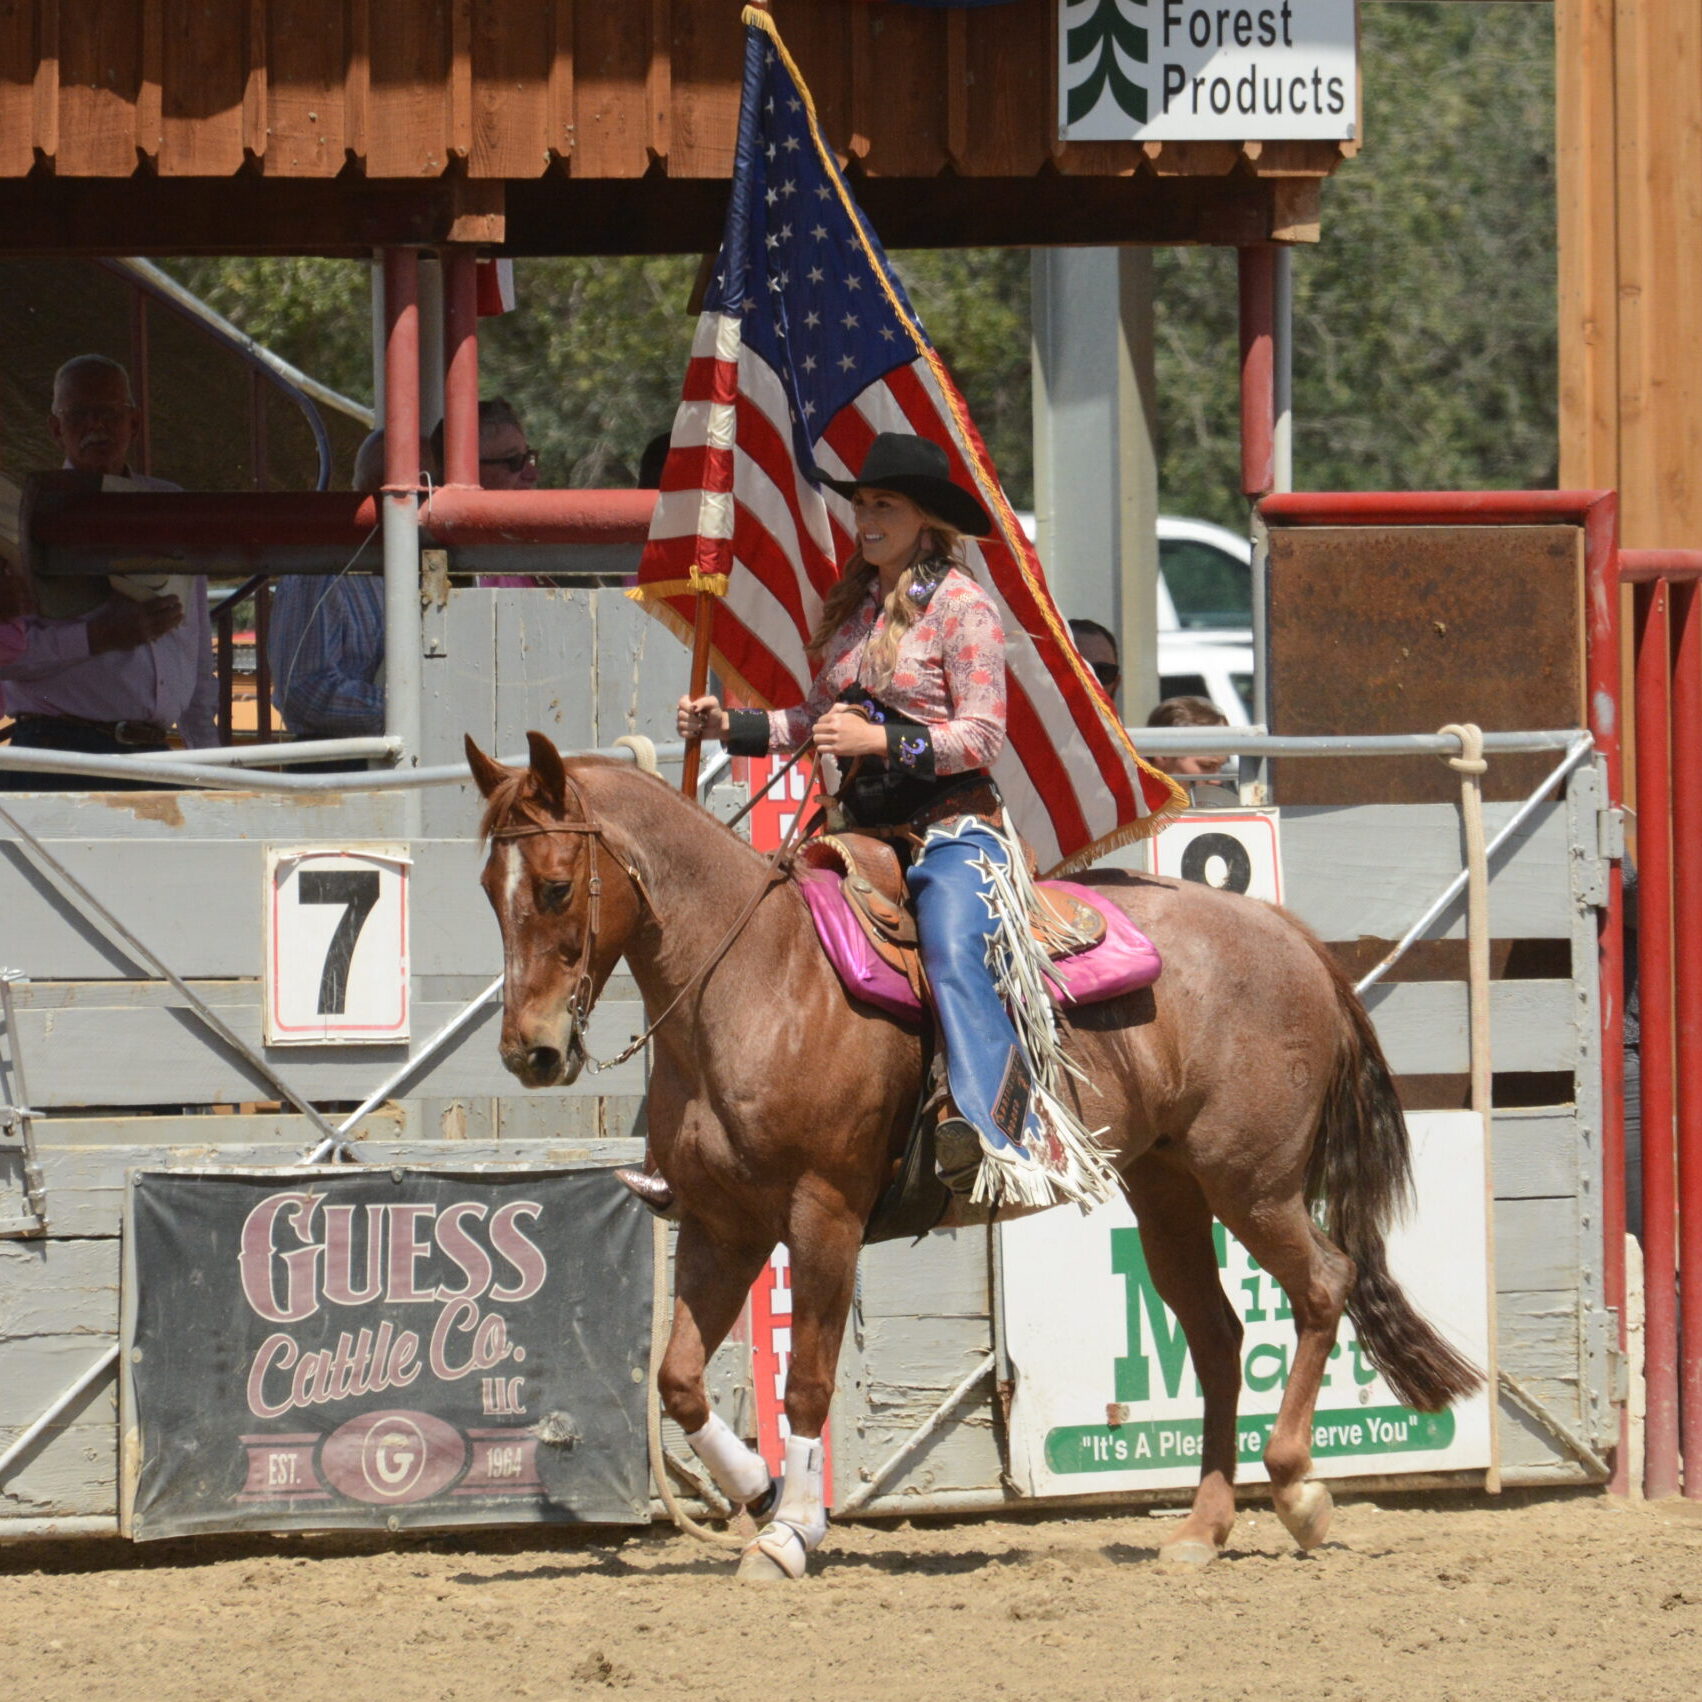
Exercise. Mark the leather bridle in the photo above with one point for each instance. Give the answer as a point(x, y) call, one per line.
point(584, 994)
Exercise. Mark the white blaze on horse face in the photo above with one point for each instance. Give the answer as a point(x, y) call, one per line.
point(513, 872)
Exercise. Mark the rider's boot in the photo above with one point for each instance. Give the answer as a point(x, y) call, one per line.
point(653, 1188)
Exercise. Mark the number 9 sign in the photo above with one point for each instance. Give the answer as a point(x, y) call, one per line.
point(1238, 850)
point(336, 945)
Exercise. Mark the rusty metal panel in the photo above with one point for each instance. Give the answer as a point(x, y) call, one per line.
point(1404, 629)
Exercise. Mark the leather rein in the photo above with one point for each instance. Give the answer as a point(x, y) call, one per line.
point(584, 994)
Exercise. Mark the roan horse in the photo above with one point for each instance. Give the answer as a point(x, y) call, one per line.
point(1246, 1084)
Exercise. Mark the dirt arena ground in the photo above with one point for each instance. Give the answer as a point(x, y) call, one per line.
point(1550, 1596)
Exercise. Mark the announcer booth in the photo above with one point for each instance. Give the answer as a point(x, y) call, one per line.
point(250, 1077)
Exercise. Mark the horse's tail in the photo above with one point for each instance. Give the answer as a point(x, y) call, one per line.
point(1361, 1169)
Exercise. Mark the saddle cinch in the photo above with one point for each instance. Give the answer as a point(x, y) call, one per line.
point(854, 886)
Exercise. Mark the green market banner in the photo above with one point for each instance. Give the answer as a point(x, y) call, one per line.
point(1106, 1397)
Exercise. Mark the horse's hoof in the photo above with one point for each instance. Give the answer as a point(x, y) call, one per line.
point(777, 1554)
point(1305, 1511)
point(1188, 1551)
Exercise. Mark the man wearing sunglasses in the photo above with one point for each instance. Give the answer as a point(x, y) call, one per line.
point(1099, 650)
point(507, 462)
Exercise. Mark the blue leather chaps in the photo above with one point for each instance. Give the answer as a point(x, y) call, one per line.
point(956, 920)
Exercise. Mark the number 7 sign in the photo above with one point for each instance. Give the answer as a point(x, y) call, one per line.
point(336, 945)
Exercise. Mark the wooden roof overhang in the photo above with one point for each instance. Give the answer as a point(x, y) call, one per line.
point(569, 127)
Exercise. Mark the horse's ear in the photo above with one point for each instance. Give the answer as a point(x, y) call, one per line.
point(487, 775)
point(547, 769)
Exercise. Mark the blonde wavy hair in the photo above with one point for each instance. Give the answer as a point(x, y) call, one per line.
point(939, 549)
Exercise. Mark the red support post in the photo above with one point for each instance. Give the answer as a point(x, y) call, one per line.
point(1604, 690)
point(1258, 368)
point(1687, 1000)
point(1655, 979)
point(140, 383)
point(460, 367)
point(401, 369)
point(264, 727)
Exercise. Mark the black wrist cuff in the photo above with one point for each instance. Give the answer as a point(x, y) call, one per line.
point(910, 749)
point(747, 732)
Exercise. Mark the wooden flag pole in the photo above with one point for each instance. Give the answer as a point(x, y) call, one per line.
point(699, 684)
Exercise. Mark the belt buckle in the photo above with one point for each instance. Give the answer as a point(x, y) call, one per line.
point(126, 733)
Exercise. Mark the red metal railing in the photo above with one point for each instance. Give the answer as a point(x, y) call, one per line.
point(1667, 623)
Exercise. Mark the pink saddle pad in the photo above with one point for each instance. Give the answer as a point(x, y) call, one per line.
point(1124, 960)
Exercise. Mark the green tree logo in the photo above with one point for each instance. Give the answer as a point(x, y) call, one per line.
point(1095, 41)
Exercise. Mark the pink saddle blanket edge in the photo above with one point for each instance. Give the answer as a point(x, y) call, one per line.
point(1123, 961)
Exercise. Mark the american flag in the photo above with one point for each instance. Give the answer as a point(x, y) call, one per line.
point(807, 348)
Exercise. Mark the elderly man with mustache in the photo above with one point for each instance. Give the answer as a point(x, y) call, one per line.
point(122, 677)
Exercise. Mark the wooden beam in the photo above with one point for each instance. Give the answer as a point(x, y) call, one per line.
point(460, 79)
point(559, 92)
point(659, 82)
point(239, 215)
point(150, 112)
point(957, 87)
point(357, 81)
point(559, 215)
point(1585, 125)
point(256, 112)
point(46, 81)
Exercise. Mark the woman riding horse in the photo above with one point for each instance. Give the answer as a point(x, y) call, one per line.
point(909, 699)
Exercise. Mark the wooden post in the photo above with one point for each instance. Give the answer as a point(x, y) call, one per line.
point(701, 629)
point(1655, 976)
point(1258, 368)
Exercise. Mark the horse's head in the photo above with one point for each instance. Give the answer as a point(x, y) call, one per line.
point(565, 900)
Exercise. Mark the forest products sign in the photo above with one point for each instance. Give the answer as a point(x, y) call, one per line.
point(1188, 70)
point(359, 1346)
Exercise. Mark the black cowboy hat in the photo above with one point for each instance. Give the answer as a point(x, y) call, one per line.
point(917, 468)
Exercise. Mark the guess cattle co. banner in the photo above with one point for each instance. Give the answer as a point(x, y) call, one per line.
point(402, 1347)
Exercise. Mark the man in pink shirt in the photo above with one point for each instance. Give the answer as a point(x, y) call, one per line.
point(121, 678)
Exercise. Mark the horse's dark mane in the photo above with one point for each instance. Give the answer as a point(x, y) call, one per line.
point(502, 799)
point(509, 796)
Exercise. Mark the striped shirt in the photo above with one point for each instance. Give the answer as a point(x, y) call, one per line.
point(326, 648)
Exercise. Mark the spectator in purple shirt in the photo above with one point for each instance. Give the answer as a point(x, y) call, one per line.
point(121, 678)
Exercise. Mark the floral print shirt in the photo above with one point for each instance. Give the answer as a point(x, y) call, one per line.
point(950, 675)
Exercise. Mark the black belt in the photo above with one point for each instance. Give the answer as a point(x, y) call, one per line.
point(134, 735)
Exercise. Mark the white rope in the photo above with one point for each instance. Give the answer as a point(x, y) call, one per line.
point(653, 1411)
point(643, 750)
point(1470, 767)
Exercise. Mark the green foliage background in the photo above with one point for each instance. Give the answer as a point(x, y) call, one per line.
point(1425, 337)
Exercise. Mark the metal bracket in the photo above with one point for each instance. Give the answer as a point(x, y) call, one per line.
point(434, 601)
point(1563, 1433)
point(1610, 833)
point(18, 1120)
point(1593, 845)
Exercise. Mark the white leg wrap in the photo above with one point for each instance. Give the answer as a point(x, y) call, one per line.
point(801, 1491)
point(742, 1476)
